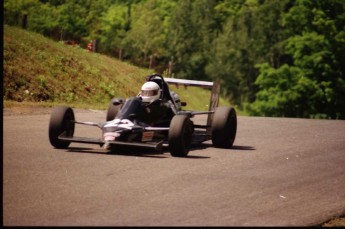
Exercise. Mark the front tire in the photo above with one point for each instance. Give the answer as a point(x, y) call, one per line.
point(224, 127)
point(180, 136)
point(61, 120)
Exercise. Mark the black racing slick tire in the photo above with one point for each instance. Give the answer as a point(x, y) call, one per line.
point(224, 127)
point(61, 120)
point(113, 110)
point(180, 136)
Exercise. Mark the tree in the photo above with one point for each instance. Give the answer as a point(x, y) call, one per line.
point(148, 33)
point(191, 33)
point(112, 28)
point(254, 47)
point(72, 15)
point(251, 34)
point(316, 46)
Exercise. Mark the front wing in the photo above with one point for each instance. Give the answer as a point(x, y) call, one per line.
point(198, 137)
point(152, 145)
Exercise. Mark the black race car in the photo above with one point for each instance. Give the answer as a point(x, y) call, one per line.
point(154, 123)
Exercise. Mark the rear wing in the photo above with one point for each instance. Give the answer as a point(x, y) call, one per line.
point(197, 83)
point(214, 86)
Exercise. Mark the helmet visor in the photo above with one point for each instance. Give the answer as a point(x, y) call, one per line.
point(149, 92)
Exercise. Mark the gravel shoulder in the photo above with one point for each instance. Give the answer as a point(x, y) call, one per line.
point(25, 110)
point(33, 110)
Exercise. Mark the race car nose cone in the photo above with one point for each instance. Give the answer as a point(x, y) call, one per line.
point(110, 136)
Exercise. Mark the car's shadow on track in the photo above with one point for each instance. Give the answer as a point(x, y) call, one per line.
point(128, 151)
point(235, 147)
point(143, 152)
point(136, 152)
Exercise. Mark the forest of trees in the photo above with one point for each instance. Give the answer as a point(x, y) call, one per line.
point(272, 57)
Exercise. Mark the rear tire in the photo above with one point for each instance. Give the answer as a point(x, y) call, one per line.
point(113, 110)
point(224, 127)
point(180, 136)
point(60, 121)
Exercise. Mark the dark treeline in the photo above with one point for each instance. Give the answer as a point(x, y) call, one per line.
point(273, 57)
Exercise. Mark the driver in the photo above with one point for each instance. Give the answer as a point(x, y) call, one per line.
point(150, 91)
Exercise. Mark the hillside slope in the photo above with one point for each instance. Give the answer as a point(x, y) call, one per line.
point(37, 69)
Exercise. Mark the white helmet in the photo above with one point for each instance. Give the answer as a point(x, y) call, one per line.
point(150, 91)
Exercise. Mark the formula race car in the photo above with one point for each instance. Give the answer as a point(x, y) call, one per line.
point(154, 118)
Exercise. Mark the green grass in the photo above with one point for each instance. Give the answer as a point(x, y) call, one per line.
point(38, 70)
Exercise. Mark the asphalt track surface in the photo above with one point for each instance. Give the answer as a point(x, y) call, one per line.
point(280, 172)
